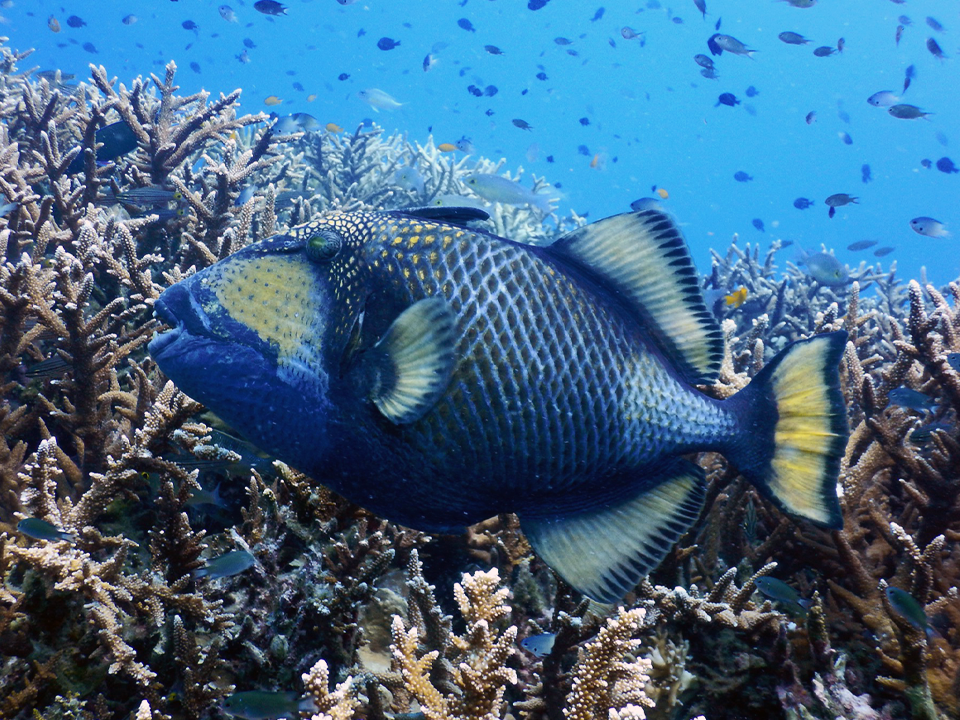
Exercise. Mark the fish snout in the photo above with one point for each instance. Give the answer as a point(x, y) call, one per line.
point(176, 307)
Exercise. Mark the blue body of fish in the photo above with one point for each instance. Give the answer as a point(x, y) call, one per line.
point(440, 375)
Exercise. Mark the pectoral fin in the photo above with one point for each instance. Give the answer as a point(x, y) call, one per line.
point(412, 364)
point(605, 552)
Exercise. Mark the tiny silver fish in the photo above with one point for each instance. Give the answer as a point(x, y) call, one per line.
point(732, 45)
point(905, 111)
point(883, 98)
point(928, 226)
point(227, 565)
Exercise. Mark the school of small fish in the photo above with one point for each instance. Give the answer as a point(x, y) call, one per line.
point(618, 30)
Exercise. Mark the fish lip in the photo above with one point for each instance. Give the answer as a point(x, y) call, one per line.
point(162, 340)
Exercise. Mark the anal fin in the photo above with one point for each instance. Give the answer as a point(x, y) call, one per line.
point(604, 552)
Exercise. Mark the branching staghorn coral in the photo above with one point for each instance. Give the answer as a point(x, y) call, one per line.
point(94, 439)
point(604, 681)
point(476, 660)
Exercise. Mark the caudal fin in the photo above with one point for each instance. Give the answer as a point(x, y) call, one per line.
point(793, 429)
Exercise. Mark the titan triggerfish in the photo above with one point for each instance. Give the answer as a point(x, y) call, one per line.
point(439, 375)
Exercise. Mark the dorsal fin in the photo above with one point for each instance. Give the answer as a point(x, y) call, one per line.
point(643, 256)
point(452, 215)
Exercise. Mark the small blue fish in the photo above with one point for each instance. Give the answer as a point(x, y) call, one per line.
point(283, 125)
point(265, 705)
point(908, 607)
point(270, 7)
point(825, 269)
point(758, 224)
point(741, 176)
point(912, 400)
point(117, 139)
point(466, 25)
point(909, 75)
point(539, 645)
point(752, 91)
point(945, 165)
point(792, 38)
point(7, 208)
point(227, 565)
point(924, 433)
point(245, 195)
point(42, 530)
point(781, 592)
point(865, 173)
point(728, 99)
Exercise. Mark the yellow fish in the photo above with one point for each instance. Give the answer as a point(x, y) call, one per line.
point(662, 193)
point(446, 147)
point(272, 100)
point(311, 97)
point(333, 128)
point(737, 298)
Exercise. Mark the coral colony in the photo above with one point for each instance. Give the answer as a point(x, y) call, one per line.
point(117, 488)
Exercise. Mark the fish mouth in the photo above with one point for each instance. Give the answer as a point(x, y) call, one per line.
point(177, 308)
point(163, 340)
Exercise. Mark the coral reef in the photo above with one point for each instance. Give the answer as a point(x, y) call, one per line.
point(108, 618)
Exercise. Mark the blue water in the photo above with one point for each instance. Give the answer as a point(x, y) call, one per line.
point(652, 117)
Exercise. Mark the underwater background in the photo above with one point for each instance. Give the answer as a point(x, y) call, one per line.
point(638, 109)
point(157, 566)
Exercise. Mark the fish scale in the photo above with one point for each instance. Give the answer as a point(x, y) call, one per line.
point(584, 408)
point(439, 375)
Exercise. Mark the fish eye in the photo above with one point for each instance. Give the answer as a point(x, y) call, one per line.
point(324, 246)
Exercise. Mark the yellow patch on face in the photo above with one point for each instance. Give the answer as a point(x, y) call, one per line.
point(270, 296)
